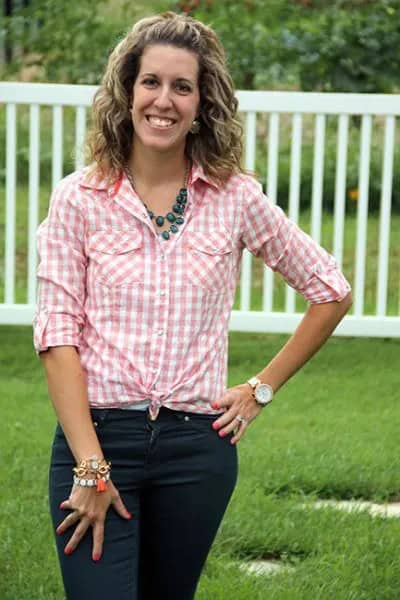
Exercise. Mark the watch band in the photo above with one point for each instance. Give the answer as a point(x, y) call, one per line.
point(253, 382)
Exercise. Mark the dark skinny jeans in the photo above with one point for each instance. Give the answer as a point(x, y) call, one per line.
point(176, 476)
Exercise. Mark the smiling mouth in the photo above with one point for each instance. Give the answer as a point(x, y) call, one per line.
point(160, 121)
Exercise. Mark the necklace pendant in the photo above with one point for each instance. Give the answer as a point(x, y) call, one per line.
point(178, 208)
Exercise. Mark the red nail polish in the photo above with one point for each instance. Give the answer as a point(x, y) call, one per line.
point(58, 532)
point(68, 551)
point(96, 557)
point(215, 425)
point(222, 433)
point(129, 515)
point(214, 406)
point(60, 505)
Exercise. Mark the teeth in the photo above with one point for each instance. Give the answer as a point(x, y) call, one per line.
point(160, 122)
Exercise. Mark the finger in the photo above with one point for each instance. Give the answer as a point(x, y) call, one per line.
point(77, 536)
point(222, 404)
point(120, 506)
point(239, 433)
point(225, 418)
point(67, 522)
point(65, 504)
point(231, 426)
point(98, 538)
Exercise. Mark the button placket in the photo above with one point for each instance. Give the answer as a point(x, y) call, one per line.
point(160, 320)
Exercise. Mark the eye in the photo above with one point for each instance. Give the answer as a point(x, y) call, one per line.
point(149, 81)
point(184, 88)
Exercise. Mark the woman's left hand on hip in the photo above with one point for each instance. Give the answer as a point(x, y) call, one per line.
point(237, 402)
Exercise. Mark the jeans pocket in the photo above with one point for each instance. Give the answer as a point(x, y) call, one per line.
point(200, 422)
point(99, 417)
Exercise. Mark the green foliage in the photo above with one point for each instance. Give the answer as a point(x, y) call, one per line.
point(311, 44)
point(315, 45)
point(338, 50)
point(67, 42)
point(249, 33)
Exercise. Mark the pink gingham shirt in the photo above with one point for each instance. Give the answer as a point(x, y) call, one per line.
point(150, 317)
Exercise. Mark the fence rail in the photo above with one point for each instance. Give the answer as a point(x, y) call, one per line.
point(274, 108)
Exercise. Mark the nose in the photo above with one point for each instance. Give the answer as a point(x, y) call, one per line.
point(163, 99)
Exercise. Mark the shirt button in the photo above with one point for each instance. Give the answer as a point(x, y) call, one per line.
point(154, 370)
point(162, 293)
point(160, 332)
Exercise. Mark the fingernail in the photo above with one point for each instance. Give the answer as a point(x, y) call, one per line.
point(68, 551)
point(222, 433)
point(96, 557)
point(58, 531)
point(215, 425)
point(61, 505)
point(129, 515)
point(214, 406)
point(233, 442)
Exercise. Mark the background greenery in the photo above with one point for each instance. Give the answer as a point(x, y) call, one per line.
point(338, 45)
point(314, 45)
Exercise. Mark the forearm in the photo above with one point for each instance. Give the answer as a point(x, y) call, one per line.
point(68, 392)
point(317, 325)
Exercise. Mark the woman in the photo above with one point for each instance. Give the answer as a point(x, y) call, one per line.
point(139, 259)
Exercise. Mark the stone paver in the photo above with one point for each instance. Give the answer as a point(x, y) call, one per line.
point(271, 567)
point(391, 509)
point(264, 567)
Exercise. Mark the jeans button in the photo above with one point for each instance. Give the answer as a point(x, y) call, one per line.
point(187, 418)
point(95, 423)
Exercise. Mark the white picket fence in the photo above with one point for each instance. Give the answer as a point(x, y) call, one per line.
point(277, 105)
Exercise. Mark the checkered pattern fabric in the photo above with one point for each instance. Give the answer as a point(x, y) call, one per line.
point(150, 317)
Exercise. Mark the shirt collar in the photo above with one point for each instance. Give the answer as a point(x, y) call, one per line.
point(198, 173)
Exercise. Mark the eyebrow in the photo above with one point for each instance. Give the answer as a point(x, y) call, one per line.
point(177, 79)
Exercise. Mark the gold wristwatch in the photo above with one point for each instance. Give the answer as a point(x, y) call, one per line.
point(262, 392)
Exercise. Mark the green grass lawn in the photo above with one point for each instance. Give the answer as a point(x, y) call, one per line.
point(331, 432)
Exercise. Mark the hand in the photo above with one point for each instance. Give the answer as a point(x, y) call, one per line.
point(237, 400)
point(89, 508)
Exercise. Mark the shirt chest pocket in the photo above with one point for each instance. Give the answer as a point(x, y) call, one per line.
point(209, 260)
point(115, 257)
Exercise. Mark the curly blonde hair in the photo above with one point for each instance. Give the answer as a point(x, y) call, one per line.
point(218, 145)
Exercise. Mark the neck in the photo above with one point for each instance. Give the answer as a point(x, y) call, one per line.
point(155, 168)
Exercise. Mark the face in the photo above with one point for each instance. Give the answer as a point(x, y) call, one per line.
point(165, 98)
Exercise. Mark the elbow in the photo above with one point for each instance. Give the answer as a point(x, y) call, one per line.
point(349, 300)
point(346, 302)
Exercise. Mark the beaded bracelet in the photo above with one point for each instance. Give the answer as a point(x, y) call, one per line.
point(99, 469)
point(90, 482)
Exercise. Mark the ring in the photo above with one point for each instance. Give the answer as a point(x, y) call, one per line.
point(241, 419)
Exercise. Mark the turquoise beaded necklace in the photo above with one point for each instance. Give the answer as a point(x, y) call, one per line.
point(174, 217)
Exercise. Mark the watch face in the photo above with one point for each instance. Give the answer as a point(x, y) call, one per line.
point(263, 393)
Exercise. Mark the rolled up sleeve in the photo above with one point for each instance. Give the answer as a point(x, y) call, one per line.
point(61, 274)
point(269, 234)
